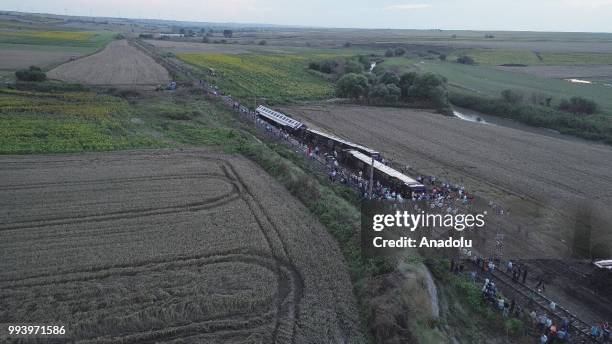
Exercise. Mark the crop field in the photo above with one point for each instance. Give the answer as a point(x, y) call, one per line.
point(119, 64)
point(490, 82)
point(37, 122)
point(17, 56)
point(21, 49)
point(275, 78)
point(496, 57)
point(596, 73)
point(435, 39)
point(508, 165)
point(175, 246)
point(55, 38)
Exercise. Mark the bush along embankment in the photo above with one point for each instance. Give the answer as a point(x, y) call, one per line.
point(576, 116)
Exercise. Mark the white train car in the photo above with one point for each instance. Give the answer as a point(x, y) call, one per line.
point(402, 182)
point(278, 119)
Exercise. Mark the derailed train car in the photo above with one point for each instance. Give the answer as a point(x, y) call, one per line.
point(314, 137)
point(356, 156)
point(390, 176)
point(279, 120)
point(334, 143)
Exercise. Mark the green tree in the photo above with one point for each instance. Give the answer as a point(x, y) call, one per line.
point(406, 82)
point(429, 87)
point(399, 51)
point(394, 93)
point(353, 86)
point(352, 66)
point(390, 78)
point(378, 92)
point(228, 33)
point(389, 53)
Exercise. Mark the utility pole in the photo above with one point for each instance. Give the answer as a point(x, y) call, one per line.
point(371, 177)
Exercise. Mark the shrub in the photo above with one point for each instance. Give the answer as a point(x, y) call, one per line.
point(511, 96)
point(32, 74)
point(326, 66)
point(399, 51)
point(262, 42)
point(578, 105)
point(389, 53)
point(464, 59)
point(514, 326)
point(352, 66)
point(378, 265)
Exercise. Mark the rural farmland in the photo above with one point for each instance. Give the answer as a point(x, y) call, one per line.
point(21, 49)
point(204, 181)
point(119, 64)
point(136, 246)
point(275, 78)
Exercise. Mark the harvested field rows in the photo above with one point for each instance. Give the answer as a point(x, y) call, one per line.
point(119, 64)
point(495, 161)
point(152, 246)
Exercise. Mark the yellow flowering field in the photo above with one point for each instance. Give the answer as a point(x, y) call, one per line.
point(276, 78)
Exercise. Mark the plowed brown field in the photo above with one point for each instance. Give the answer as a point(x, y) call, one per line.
point(119, 64)
point(541, 181)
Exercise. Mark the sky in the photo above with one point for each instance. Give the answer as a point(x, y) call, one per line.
point(519, 15)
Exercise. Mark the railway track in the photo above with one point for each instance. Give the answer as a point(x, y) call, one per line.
point(580, 329)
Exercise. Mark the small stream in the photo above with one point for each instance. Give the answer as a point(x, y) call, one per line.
point(470, 117)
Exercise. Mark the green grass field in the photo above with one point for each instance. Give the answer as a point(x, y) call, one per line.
point(41, 122)
point(275, 78)
point(490, 82)
point(496, 57)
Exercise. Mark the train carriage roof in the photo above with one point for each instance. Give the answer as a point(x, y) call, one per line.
point(389, 171)
point(348, 143)
point(278, 117)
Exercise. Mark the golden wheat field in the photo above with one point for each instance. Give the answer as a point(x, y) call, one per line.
point(173, 246)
